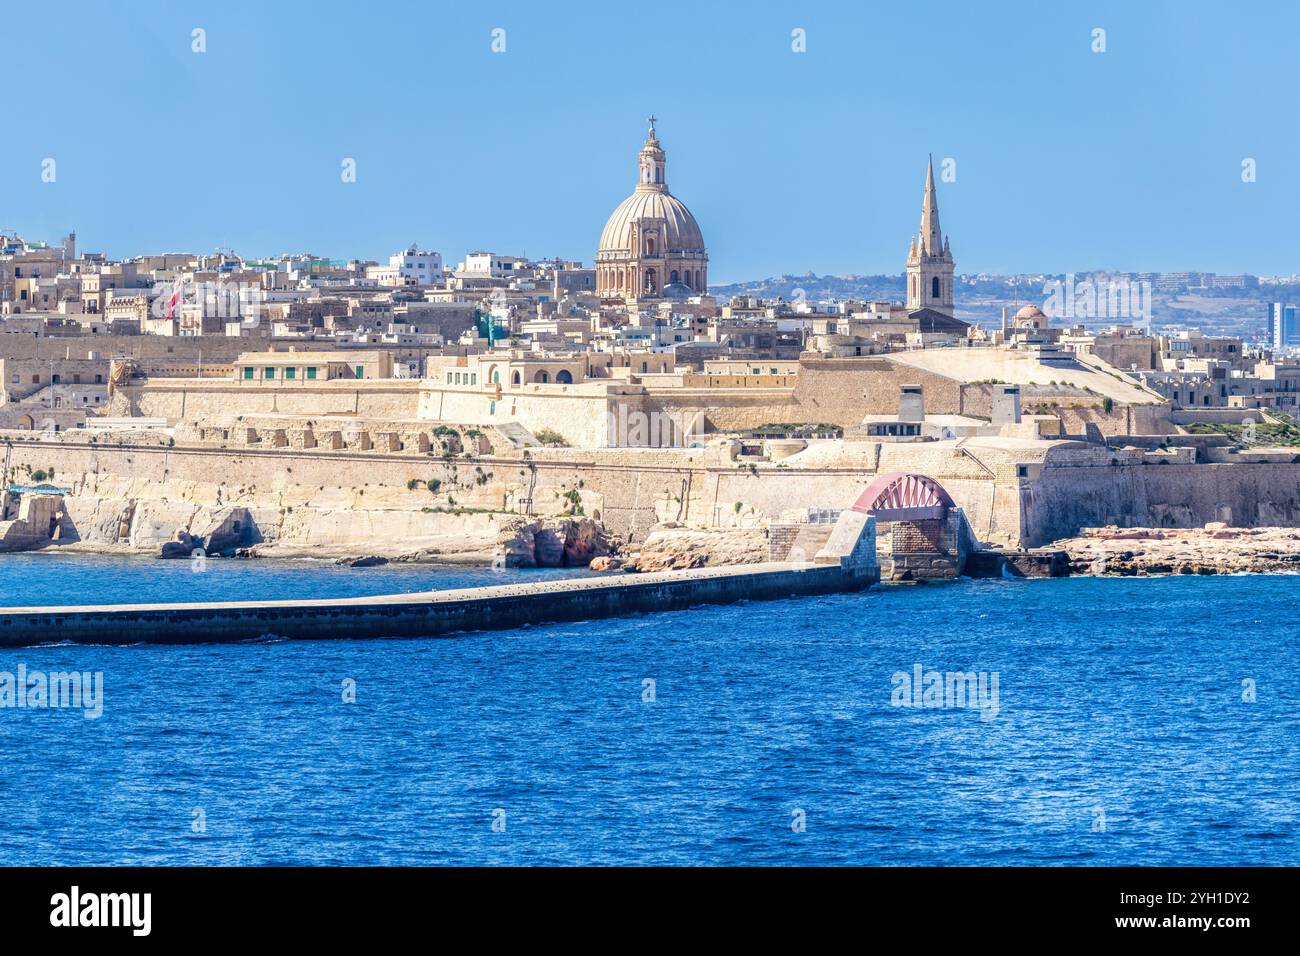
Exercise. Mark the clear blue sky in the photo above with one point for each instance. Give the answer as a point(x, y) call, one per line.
point(1066, 159)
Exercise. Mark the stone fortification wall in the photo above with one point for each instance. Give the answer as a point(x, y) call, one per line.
point(212, 401)
point(1012, 493)
point(1063, 500)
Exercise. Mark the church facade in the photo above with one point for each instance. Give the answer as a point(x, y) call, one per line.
point(651, 248)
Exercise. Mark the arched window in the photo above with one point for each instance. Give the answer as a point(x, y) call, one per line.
point(649, 280)
point(650, 245)
point(672, 276)
point(562, 377)
point(542, 376)
point(934, 288)
point(514, 379)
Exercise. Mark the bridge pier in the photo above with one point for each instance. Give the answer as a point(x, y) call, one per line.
point(925, 549)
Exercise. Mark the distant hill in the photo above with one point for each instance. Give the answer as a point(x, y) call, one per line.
point(1237, 312)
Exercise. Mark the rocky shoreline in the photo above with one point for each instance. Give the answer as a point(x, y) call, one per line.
point(1213, 549)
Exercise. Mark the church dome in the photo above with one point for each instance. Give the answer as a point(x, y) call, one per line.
point(676, 290)
point(651, 242)
point(683, 233)
point(1030, 312)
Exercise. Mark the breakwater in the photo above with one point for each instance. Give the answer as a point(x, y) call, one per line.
point(426, 614)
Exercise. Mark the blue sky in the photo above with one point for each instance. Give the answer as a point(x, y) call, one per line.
point(1065, 158)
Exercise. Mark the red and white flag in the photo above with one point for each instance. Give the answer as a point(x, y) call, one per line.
point(177, 288)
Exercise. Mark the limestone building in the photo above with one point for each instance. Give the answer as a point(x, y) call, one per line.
point(651, 248)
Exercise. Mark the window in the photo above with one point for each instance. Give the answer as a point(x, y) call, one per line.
point(248, 373)
point(934, 288)
point(311, 372)
point(361, 371)
point(291, 373)
point(268, 373)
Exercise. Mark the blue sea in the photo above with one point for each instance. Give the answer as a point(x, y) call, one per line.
point(1138, 722)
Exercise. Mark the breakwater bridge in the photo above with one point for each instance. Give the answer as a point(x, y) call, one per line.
point(847, 562)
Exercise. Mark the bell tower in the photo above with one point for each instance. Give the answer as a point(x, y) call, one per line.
point(929, 259)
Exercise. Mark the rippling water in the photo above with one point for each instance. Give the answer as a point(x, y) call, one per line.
point(1121, 737)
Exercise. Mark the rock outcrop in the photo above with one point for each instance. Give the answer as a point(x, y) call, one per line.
point(673, 547)
point(184, 545)
point(1214, 549)
point(550, 542)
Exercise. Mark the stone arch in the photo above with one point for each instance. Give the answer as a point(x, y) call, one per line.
point(542, 376)
point(900, 496)
point(563, 377)
point(514, 379)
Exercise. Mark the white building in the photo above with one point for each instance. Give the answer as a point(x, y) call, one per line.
point(485, 265)
point(416, 267)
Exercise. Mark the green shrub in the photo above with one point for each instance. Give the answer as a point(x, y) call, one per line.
point(549, 436)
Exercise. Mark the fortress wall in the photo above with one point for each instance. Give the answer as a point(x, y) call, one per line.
point(630, 490)
point(222, 401)
point(580, 418)
point(212, 348)
point(843, 391)
point(352, 498)
point(733, 410)
point(586, 419)
point(1163, 496)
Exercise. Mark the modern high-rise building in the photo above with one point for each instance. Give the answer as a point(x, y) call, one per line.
point(1283, 325)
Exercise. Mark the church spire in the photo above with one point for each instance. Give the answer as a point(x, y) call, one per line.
point(929, 257)
point(931, 235)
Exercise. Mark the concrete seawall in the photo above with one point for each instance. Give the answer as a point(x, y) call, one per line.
point(426, 614)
